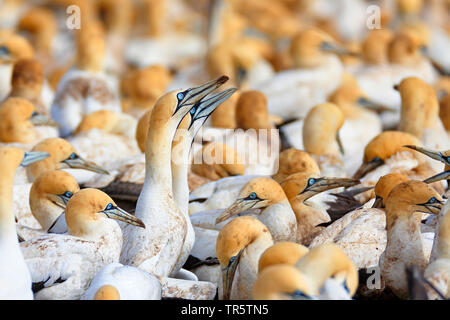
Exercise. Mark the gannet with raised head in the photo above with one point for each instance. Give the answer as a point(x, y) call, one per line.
point(63, 265)
point(15, 278)
point(404, 240)
point(239, 246)
point(158, 251)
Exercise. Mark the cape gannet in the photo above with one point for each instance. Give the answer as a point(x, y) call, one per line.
point(15, 278)
point(63, 265)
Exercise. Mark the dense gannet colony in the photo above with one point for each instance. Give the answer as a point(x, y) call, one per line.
point(224, 149)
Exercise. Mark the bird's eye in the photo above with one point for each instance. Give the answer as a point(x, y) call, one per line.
point(180, 96)
point(68, 194)
point(109, 206)
point(73, 156)
point(311, 181)
point(34, 114)
point(252, 196)
point(299, 294)
point(193, 110)
point(432, 200)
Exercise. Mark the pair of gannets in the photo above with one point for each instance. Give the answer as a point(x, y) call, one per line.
point(63, 265)
point(15, 280)
point(161, 251)
point(288, 271)
point(361, 233)
point(48, 198)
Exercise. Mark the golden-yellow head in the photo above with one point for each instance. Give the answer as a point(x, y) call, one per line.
point(251, 111)
point(18, 117)
point(320, 129)
point(62, 156)
point(410, 197)
point(281, 253)
point(292, 161)
point(382, 147)
point(88, 207)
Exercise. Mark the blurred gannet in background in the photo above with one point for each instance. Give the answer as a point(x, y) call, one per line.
point(15, 280)
point(118, 282)
point(85, 88)
point(323, 273)
point(321, 138)
point(28, 82)
point(19, 120)
point(70, 261)
point(282, 252)
point(12, 48)
point(317, 72)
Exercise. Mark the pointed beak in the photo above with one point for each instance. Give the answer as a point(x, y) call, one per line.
point(228, 275)
point(33, 156)
point(197, 93)
point(335, 48)
point(43, 120)
point(438, 177)
point(339, 142)
point(366, 103)
point(80, 163)
point(323, 184)
point(117, 213)
point(203, 108)
point(365, 168)
point(378, 202)
point(240, 205)
point(436, 155)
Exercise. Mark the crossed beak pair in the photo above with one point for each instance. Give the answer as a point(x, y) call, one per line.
point(117, 213)
point(31, 157)
point(436, 155)
point(80, 163)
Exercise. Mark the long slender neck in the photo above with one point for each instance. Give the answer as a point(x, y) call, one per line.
point(7, 222)
point(158, 155)
point(404, 240)
point(180, 168)
point(441, 246)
